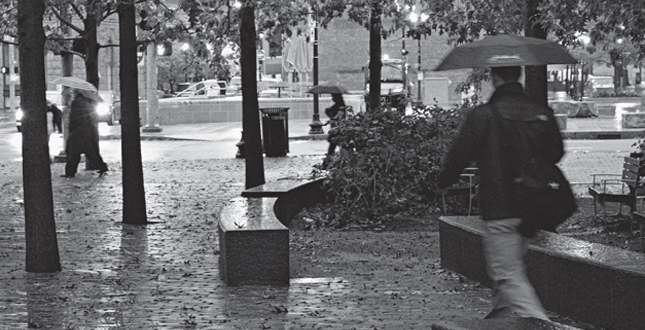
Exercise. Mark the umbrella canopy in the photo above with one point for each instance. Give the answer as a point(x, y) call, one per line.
point(506, 50)
point(74, 82)
point(288, 67)
point(296, 56)
point(328, 89)
point(91, 95)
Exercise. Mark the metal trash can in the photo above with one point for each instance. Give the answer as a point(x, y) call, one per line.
point(275, 131)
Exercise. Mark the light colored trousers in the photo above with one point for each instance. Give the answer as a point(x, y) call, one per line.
point(504, 251)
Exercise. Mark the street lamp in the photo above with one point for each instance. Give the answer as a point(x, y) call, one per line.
point(416, 20)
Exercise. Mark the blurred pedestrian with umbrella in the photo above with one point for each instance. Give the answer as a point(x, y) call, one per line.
point(500, 136)
point(83, 125)
point(336, 112)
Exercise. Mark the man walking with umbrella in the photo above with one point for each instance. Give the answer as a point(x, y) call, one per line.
point(83, 121)
point(82, 132)
point(500, 136)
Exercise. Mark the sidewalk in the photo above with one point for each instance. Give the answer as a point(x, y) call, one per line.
point(227, 131)
point(577, 128)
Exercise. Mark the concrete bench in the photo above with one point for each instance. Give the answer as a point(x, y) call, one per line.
point(254, 231)
point(574, 108)
point(561, 120)
point(592, 283)
point(606, 110)
point(633, 120)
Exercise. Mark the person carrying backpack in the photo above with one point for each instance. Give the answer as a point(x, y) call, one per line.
point(500, 136)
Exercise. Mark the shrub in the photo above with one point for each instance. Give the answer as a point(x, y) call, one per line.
point(387, 165)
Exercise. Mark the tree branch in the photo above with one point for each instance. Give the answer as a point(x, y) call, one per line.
point(8, 42)
point(81, 55)
point(65, 20)
point(78, 11)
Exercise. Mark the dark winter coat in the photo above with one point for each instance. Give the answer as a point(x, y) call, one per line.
point(83, 117)
point(501, 147)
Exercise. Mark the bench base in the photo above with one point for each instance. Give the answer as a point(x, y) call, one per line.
point(254, 234)
point(502, 324)
point(254, 245)
point(593, 283)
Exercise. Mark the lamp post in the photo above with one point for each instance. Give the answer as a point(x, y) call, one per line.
point(316, 125)
point(404, 53)
point(416, 20)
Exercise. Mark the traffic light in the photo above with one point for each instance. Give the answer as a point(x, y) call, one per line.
point(4, 70)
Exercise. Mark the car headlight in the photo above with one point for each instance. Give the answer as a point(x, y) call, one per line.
point(102, 109)
point(19, 114)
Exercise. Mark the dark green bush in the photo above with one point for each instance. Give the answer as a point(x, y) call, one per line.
point(387, 165)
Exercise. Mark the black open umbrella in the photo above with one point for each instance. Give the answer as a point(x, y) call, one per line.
point(506, 50)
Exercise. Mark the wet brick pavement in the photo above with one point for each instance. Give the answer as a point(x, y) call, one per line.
point(165, 275)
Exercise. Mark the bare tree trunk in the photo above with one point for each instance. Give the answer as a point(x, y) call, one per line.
point(375, 57)
point(535, 76)
point(250, 108)
point(40, 227)
point(134, 199)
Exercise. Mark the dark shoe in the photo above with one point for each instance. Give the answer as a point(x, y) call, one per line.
point(67, 176)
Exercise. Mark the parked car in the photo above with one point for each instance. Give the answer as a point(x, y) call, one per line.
point(600, 86)
point(394, 79)
point(105, 109)
point(206, 88)
point(234, 87)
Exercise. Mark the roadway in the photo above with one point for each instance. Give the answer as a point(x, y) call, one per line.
point(153, 150)
point(218, 141)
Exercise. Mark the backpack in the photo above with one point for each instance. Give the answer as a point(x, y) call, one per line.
point(543, 195)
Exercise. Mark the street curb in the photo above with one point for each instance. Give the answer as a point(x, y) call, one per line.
point(171, 138)
point(150, 138)
point(589, 135)
point(602, 135)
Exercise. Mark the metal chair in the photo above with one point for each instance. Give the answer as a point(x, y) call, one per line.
point(471, 177)
point(624, 189)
